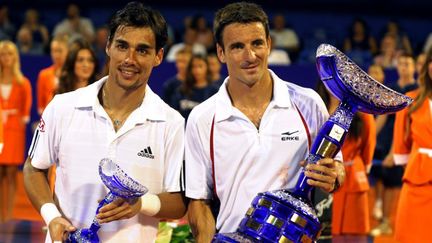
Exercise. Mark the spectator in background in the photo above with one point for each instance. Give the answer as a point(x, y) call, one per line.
point(284, 37)
point(79, 69)
point(75, 25)
point(25, 43)
point(204, 33)
point(402, 41)
point(48, 78)
point(171, 85)
point(278, 56)
point(100, 43)
point(15, 100)
point(412, 145)
point(387, 57)
point(189, 43)
point(377, 73)
point(38, 31)
point(196, 88)
point(391, 173)
point(420, 61)
point(359, 38)
point(7, 29)
point(215, 67)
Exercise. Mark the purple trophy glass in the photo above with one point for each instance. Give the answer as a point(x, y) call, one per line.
point(287, 215)
point(120, 186)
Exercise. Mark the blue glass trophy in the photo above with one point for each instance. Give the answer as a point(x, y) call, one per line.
point(287, 215)
point(120, 186)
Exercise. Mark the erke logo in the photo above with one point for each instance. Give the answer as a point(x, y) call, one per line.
point(288, 136)
point(147, 152)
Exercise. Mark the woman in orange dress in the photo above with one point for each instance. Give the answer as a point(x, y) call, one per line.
point(15, 100)
point(350, 210)
point(412, 144)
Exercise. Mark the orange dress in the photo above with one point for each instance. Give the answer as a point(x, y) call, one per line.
point(1, 127)
point(413, 145)
point(350, 212)
point(17, 106)
point(46, 87)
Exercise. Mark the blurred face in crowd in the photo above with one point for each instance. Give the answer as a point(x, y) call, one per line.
point(376, 72)
point(421, 59)
point(58, 52)
point(132, 55)
point(182, 60)
point(7, 57)
point(405, 67)
point(279, 22)
point(214, 65)
point(199, 69)
point(84, 65)
point(245, 52)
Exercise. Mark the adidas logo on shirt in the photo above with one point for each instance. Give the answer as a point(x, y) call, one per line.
point(147, 152)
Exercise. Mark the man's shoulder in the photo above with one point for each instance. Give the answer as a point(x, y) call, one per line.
point(172, 115)
point(204, 111)
point(302, 94)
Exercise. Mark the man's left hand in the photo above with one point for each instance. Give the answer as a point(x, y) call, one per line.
point(117, 210)
point(325, 174)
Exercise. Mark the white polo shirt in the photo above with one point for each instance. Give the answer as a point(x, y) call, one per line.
point(75, 133)
point(248, 160)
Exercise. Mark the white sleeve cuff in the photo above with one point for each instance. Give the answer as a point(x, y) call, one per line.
point(1, 147)
point(150, 204)
point(48, 212)
point(400, 159)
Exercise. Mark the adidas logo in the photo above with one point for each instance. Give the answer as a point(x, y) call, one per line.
point(146, 153)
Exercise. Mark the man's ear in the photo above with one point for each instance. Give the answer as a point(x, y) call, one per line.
point(107, 47)
point(220, 53)
point(159, 57)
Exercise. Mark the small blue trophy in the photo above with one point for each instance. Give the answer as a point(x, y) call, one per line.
point(287, 215)
point(120, 186)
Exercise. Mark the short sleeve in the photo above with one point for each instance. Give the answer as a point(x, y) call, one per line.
point(43, 150)
point(174, 155)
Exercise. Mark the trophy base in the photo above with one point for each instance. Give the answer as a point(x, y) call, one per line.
point(83, 236)
point(276, 216)
point(232, 238)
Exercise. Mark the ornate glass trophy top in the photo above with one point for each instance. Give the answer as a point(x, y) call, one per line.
point(287, 215)
point(348, 82)
point(120, 186)
point(118, 182)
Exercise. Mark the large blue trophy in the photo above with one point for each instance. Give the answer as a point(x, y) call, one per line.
point(120, 186)
point(287, 215)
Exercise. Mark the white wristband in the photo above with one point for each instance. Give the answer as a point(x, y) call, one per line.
point(48, 212)
point(150, 204)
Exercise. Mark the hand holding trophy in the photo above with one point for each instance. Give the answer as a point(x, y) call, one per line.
point(120, 186)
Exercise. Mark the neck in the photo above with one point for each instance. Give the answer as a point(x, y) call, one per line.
point(201, 83)
point(117, 99)
point(181, 76)
point(243, 95)
point(7, 76)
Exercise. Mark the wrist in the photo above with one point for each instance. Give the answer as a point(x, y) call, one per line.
point(49, 212)
point(150, 204)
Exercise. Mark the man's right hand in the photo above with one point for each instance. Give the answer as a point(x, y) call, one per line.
point(59, 229)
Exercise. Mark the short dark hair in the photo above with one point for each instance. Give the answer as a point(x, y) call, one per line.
point(241, 12)
point(135, 14)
